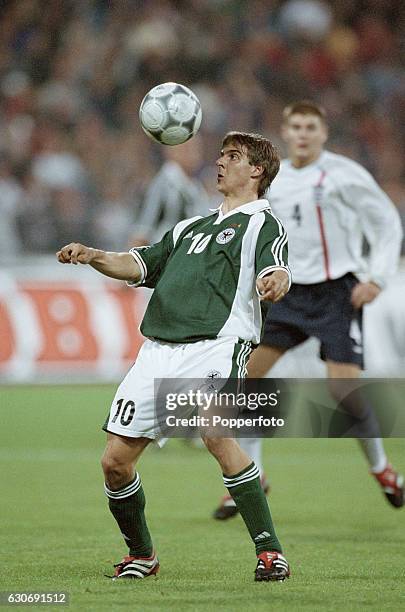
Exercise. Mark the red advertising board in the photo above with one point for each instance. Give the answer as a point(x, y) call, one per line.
point(79, 328)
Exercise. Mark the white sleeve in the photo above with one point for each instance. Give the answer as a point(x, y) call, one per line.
point(379, 219)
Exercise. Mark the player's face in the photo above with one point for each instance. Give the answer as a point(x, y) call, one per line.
point(305, 136)
point(234, 171)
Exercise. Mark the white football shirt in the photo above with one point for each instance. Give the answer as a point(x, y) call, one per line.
point(327, 207)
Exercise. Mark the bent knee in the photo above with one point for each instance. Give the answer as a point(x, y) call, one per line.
point(116, 472)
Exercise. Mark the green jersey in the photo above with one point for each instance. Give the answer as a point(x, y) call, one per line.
point(204, 273)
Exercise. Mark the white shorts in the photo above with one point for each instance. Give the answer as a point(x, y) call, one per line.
point(132, 412)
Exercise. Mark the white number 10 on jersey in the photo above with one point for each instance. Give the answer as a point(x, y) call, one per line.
point(198, 243)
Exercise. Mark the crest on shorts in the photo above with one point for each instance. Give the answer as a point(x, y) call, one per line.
point(212, 375)
point(225, 236)
point(210, 381)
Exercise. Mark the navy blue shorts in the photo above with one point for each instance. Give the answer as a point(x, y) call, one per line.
point(324, 311)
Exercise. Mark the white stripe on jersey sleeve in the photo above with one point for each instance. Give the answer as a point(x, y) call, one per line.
point(279, 242)
point(182, 226)
point(271, 269)
point(144, 271)
point(138, 257)
point(277, 252)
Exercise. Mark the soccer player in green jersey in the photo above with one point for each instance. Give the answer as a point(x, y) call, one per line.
point(209, 275)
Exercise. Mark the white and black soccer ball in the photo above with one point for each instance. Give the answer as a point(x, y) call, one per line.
point(170, 113)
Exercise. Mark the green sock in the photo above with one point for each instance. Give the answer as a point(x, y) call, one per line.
point(128, 508)
point(246, 490)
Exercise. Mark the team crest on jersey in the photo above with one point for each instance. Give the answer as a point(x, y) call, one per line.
point(225, 236)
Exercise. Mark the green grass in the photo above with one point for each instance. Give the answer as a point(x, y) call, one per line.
point(344, 542)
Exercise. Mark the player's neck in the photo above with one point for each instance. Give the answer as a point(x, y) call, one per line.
point(230, 202)
point(302, 162)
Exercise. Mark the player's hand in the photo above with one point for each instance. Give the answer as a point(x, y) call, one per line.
point(273, 288)
point(364, 293)
point(75, 253)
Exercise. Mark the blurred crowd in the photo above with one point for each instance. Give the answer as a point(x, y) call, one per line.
point(74, 163)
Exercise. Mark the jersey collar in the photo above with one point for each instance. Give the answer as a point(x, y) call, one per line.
point(248, 209)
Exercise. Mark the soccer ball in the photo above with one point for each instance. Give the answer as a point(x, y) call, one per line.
point(170, 113)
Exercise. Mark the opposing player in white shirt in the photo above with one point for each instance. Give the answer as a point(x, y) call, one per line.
point(328, 203)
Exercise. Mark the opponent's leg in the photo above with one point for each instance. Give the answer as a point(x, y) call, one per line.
point(390, 481)
point(260, 362)
point(241, 477)
point(263, 359)
point(126, 500)
point(253, 448)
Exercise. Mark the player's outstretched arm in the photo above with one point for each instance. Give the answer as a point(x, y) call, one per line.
point(272, 288)
point(121, 266)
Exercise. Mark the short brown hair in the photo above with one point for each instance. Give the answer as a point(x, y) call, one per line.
point(304, 107)
point(260, 152)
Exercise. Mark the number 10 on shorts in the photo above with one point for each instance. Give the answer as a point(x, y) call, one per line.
point(124, 411)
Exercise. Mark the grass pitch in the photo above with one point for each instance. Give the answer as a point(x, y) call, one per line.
point(345, 544)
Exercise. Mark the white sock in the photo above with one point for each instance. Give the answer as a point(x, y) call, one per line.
point(253, 447)
point(373, 449)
